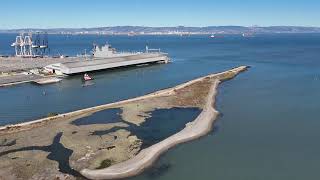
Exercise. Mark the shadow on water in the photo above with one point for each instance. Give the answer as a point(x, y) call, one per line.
point(162, 124)
point(101, 117)
point(57, 152)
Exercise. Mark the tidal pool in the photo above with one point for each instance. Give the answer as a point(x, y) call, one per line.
point(101, 117)
point(162, 124)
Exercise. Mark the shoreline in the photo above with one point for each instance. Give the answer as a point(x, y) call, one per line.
point(12, 128)
point(116, 144)
point(193, 130)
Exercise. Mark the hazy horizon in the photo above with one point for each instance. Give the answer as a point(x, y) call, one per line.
point(155, 27)
point(165, 13)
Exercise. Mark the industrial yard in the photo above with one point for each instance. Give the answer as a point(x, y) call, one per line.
point(17, 70)
point(32, 62)
point(18, 64)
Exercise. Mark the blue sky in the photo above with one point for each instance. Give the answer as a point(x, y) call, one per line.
point(96, 13)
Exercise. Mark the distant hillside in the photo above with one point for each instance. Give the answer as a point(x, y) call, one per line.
point(173, 30)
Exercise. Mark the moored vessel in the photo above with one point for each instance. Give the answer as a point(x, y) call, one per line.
point(106, 57)
point(86, 77)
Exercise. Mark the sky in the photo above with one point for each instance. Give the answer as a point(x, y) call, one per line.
point(100, 13)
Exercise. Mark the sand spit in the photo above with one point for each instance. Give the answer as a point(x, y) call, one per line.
point(193, 130)
point(110, 137)
point(199, 127)
point(166, 92)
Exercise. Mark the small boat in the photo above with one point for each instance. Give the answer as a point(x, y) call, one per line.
point(86, 77)
point(247, 35)
point(212, 36)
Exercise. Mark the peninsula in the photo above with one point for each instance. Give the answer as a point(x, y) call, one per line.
point(105, 142)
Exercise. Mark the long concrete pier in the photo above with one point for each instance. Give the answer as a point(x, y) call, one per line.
point(112, 62)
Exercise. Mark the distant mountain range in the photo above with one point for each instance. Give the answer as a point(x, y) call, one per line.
point(135, 30)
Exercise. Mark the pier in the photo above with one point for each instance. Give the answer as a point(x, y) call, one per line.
point(16, 70)
point(114, 62)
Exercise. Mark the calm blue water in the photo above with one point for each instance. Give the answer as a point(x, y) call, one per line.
point(100, 117)
point(269, 128)
point(162, 124)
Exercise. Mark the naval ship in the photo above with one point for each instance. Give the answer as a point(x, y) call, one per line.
point(106, 57)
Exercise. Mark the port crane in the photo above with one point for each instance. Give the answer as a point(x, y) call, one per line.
point(27, 45)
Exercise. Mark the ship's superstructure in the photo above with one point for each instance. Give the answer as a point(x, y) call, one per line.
point(107, 51)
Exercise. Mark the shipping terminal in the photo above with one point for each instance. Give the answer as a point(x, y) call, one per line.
point(32, 63)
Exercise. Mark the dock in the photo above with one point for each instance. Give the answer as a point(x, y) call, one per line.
point(18, 79)
point(114, 62)
point(28, 66)
point(14, 64)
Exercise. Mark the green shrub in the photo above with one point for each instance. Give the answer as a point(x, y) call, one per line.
point(105, 163)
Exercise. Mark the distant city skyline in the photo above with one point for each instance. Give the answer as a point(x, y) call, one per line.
point(165, 13)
